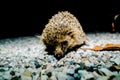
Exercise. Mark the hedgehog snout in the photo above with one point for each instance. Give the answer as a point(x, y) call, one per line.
point(58, 52)
point(59, 55)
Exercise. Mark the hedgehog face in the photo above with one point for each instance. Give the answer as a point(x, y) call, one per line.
point(60, 49)
point(62, 45)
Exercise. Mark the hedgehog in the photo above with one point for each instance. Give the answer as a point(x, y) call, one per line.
point(62, 34)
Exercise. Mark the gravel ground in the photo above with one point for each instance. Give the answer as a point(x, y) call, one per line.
point(24, 58)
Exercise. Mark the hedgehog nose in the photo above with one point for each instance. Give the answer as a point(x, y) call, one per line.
point(58, 55)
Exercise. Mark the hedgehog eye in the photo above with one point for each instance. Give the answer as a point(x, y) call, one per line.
point(64, 44)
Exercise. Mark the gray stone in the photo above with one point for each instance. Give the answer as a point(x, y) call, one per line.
point(61, 76)
point(116, 60)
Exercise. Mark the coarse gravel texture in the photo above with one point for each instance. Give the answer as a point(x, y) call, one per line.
point(24, 58)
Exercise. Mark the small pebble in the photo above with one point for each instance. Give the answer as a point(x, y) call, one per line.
point(72, 62)
point(27, 73)
point(70, 78)
point(12, 73)
point(70, 72)
point(2, 70)
point(77, 76)
point(36, 63)
point(49, 74)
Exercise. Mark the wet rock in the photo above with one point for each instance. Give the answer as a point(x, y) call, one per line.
point(49, 74)
point(6, 77)
point(70, 72)
point(91, 68)
point(27, 66)
point(85, 75)
point(36, 63)
point(27, 75)
point(82, 66)
point(53, 78)
point(70, 77)
point(105, 71)
point(2, 70)
point(77, 69)
point(16, 78)
point(87, 63)
point(116, 60)
point(114, 68)
point(44, 66)
point(61, 76)
point(12, 73)
point(51, 59)
point(34, 73)
point(1, 78)
point(44, 77)
point(77, 76)
point(72, 62)
point(1, 65)
point(92, 78)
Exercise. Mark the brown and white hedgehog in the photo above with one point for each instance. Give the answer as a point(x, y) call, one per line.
point(62, 33)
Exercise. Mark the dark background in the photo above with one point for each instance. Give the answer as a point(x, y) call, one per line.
point(29, 18)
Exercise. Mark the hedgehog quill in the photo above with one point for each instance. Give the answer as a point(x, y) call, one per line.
point(62, 33)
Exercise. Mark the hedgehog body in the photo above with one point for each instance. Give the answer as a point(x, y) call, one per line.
point(62, 32)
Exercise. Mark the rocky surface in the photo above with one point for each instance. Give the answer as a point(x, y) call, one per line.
point(24, 58)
